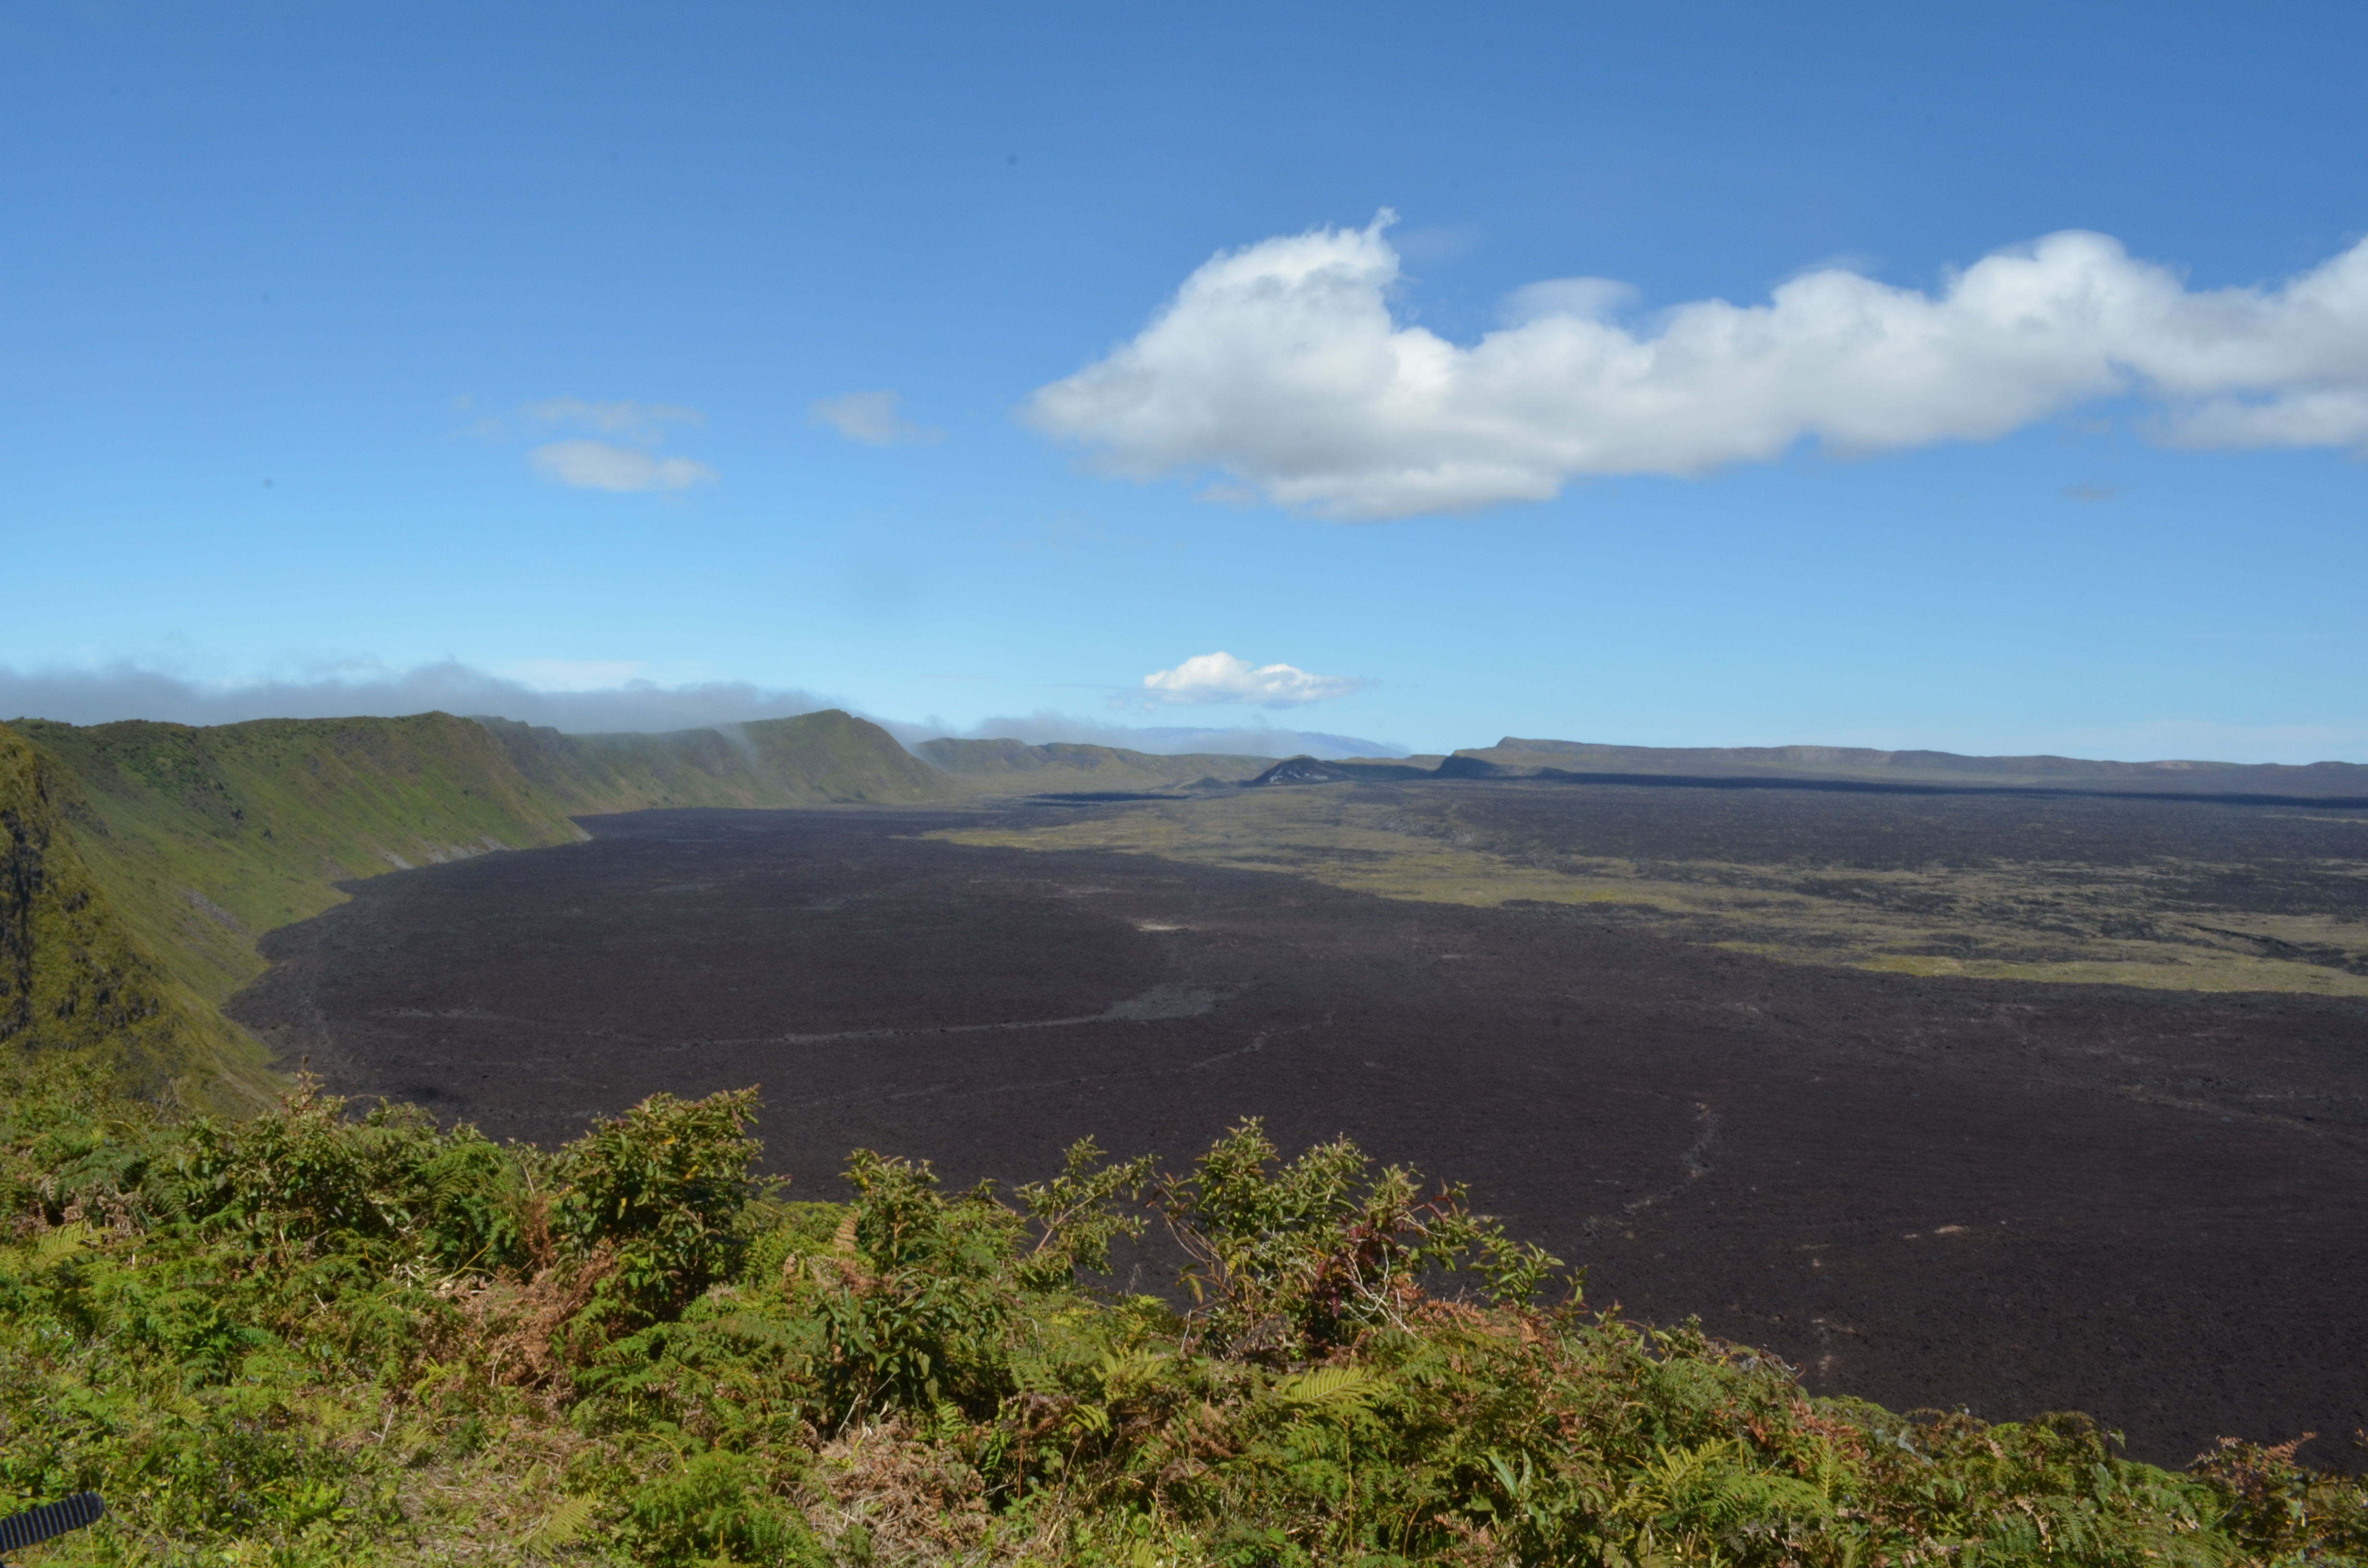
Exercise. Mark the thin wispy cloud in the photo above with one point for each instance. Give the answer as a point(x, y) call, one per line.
point(626, 462)
point(1219, 677)
point(1583, 299)
point(604, 465)
point(1281, 365)
point(872, 418)
point(639, 420)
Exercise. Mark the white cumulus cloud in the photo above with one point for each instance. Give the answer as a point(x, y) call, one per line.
point(872, 418)
point(603, 465)
point(1281, 365)
point(1221, 677)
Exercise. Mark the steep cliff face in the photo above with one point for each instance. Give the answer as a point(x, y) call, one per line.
point(72, 975)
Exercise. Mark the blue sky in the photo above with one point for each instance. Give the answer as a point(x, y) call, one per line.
point(767, 355)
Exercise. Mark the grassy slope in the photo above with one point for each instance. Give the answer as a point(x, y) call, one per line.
point(148, 858)
point(72, 975)
point(205, 839)
point(815, 759)
point(995, 768)
point(1517, 758)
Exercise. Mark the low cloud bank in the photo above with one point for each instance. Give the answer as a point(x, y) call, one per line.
point(1280, 365)
point(79, 697)
point(1240, 740)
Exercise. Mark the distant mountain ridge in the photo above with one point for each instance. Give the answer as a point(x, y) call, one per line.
point(1310, 742)
point(1810, 766)
point(1063, 766)
point(1513, 756)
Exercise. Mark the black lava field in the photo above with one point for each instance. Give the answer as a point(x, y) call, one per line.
point(2152, 1206)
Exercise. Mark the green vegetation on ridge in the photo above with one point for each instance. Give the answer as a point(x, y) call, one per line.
point(205, 839)
point(73, 978)
point(815, 759)
point(146, 858)
point(305, 1339)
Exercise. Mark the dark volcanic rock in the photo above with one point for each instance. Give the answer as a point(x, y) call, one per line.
point(1930, 1193)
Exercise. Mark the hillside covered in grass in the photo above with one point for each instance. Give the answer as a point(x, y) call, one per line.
point(73, 977)
point(308, 1338)
point(144, 860)
point(816, 759)
point(205, 839)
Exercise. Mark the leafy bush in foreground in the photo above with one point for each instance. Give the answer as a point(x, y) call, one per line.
point(314, 1337)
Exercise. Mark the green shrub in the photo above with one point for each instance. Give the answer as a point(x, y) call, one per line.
point(918, 1296)
point(316, 1338)
point(715, 1509)
point(387, 1185)
point(658, 1193)
point(1292, 1258)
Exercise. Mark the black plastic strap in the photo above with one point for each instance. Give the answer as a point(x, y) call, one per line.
point(37, 1525)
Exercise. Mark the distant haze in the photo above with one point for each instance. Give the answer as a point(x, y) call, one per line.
point(101, 697)
point(1239, 740)
point(126, 691)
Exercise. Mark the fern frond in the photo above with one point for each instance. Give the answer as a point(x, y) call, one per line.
point(1328, 1388)
point(1131, 1367)
point(756, 1327)
point(63, 1241)
point(561, 1526)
